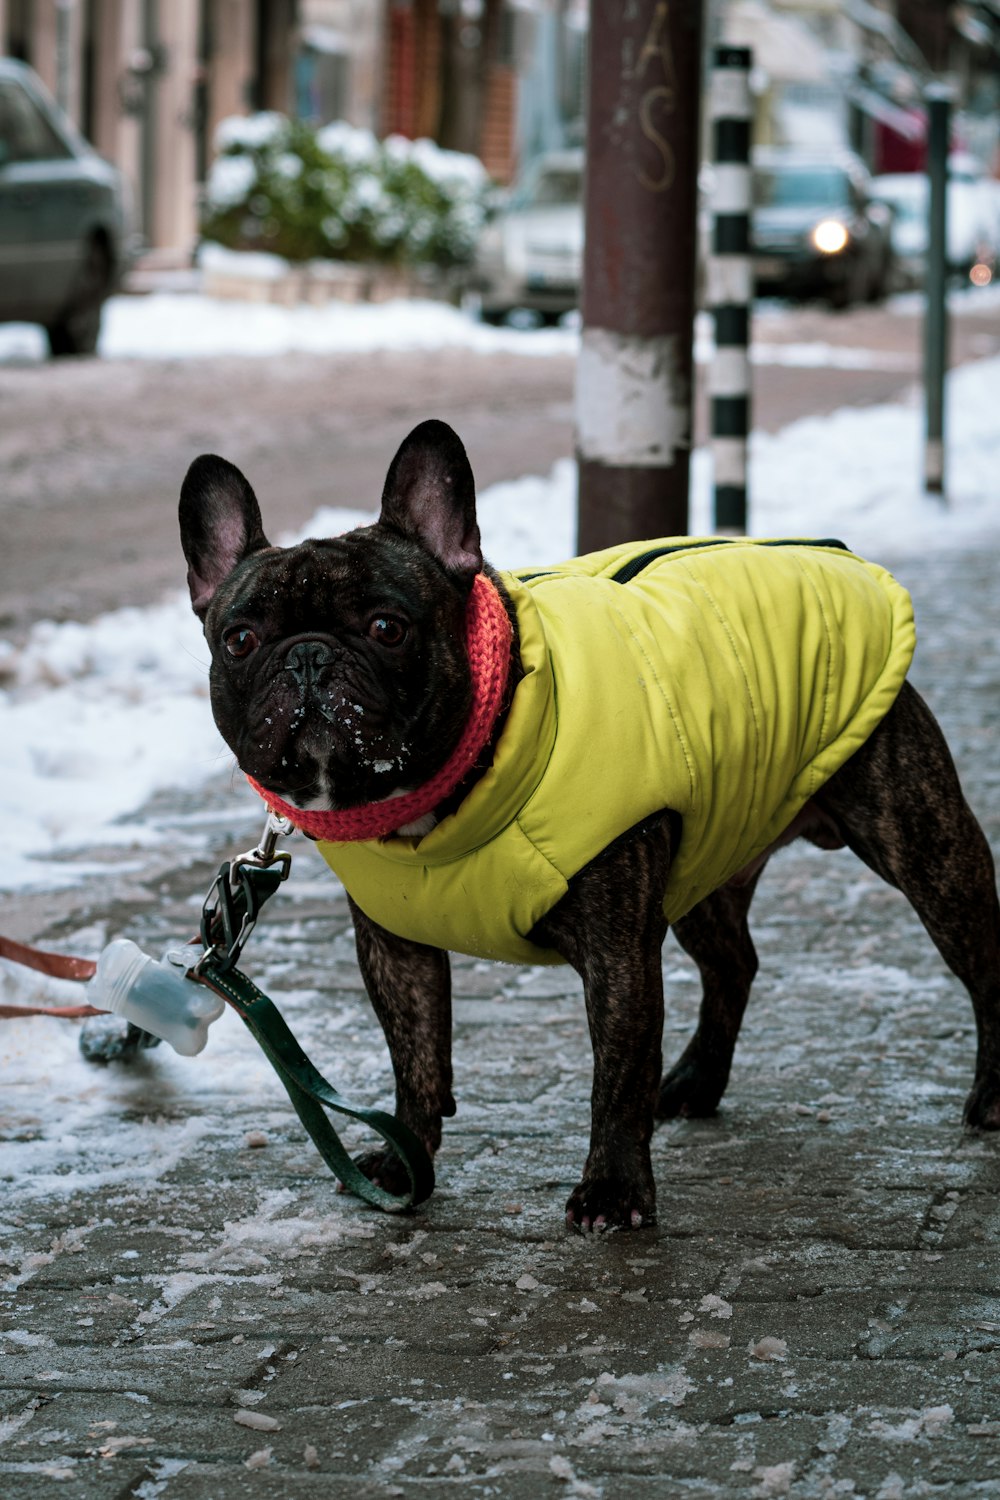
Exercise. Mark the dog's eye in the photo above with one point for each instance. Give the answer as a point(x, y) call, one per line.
point(387, 630)
point(241, 642)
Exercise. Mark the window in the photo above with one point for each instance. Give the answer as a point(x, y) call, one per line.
point(25, 133)
point(558, 188)
point(799, 187)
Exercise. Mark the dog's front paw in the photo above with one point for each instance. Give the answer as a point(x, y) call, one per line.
point(600, 1203)
point(982, 1108)
point(109, 1038)
point(384, 1169)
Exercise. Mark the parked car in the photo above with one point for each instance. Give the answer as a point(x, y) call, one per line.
point(972, 223)
point(817, 230)
point(64, 221)
point(530, 254)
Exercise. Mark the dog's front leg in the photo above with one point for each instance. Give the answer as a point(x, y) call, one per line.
point(610, 927)
point(409, 986)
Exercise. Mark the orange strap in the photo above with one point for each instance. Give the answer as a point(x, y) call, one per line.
point(56, 966)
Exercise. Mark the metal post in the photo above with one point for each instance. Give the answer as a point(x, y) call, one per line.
point(936, 317)
point(147, 62)
point(635, 367)
point(730, 284)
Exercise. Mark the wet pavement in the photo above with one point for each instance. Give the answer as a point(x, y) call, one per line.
point(191, 1311)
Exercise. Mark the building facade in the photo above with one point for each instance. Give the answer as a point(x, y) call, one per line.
point(147, 81)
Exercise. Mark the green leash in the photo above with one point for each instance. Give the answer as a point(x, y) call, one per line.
point(228, 917)
point(311, 1096)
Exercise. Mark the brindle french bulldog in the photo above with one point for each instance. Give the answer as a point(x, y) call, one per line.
point(341, 679)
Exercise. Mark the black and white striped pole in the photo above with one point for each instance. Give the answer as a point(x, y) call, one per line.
point(939, 98)
point(730, 284)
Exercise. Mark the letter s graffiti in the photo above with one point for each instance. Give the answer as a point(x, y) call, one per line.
point(664, 180)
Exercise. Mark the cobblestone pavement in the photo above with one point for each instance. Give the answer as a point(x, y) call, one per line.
point(191, 1317)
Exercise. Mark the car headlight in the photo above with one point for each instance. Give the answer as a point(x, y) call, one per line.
point(830, 236)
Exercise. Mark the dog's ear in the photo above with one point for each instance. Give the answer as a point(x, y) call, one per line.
point(220, 525)
point(430, 495)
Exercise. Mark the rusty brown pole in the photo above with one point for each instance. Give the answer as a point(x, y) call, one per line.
point(634, 397)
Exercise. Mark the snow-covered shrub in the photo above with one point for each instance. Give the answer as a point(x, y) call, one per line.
point(338, 193)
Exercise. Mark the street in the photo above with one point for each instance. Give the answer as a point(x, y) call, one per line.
point(93, 451)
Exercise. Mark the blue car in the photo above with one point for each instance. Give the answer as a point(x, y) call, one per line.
point(64, 218)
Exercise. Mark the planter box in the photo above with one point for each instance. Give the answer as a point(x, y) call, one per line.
point(255, 277)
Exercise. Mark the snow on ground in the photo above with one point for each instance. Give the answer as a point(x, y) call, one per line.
point(95, 718)
point(165, 325)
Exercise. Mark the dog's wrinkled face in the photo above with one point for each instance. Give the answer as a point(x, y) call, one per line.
point(333, 664)
point(339, 672)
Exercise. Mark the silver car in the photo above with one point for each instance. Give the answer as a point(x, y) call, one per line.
point(530, 254)
point(64, 222)
point(972, 230)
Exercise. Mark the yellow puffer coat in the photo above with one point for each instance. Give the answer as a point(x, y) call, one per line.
point(726, 680)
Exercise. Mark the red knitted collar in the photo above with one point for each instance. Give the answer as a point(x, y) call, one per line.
point(488, 641)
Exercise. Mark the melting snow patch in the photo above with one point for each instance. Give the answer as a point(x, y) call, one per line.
point(930, 1422)
point(163, 1470)
point(258, 1420)
point(562, 1469)
point(259, 1460)
point(10, 1425)
point(429, 1290)
point(774, 1480)
point(768, 1349)
point(708, 1338)
point(630, 1392)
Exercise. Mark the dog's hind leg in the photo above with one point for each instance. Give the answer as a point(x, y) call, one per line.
point(716, 935)
point(899, 806)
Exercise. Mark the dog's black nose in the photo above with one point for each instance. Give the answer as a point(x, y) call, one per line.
point(306, 660)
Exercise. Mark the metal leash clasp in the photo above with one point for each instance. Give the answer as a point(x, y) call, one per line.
point(231, 907)
point(266, 852)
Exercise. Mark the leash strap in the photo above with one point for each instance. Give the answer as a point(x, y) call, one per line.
point(66, 1012)
point(56, 966)
point(311, 1095)
point(229, 915)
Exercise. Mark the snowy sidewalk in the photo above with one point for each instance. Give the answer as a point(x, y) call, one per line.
point(191, 1314)
point(188, 1314)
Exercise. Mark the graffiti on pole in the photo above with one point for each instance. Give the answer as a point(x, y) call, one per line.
point(648, 94)
point(658, 98)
